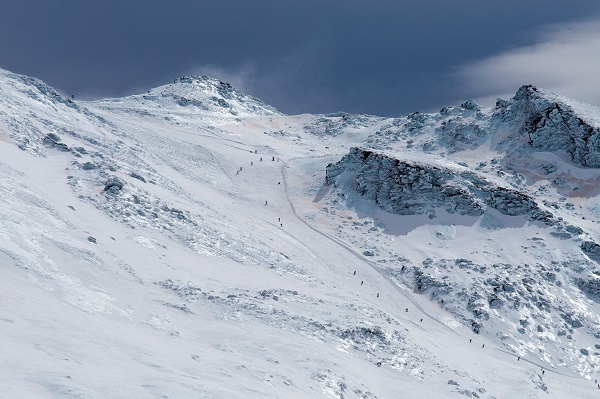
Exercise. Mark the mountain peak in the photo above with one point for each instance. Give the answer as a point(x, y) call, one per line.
point(194, 95)
point(550, 122)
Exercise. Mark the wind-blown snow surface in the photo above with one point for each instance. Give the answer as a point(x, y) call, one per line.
point(194, 242)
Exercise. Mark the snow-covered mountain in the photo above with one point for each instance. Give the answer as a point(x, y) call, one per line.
point(192, 241)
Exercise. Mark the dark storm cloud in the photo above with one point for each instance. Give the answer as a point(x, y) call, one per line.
point(373, 56)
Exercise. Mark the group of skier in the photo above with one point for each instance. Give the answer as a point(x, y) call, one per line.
point(362, 281)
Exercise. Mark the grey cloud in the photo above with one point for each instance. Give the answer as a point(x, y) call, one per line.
point(565, 59)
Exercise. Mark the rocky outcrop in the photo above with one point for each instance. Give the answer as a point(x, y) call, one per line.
point(413, 188)
point(591, 249)
point(114, 185)
point(552, 123)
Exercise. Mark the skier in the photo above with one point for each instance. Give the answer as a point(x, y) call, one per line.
point(406, 310)
point(251, 163)
point(378, 295)
point(421, 320)
point(354, 273)
point(470, 339)
point(483, 346)
point(273, 159)
point(265, 202)
point(361, 283)
point(260, 159)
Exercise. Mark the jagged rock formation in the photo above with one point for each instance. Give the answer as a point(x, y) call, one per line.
point(413, 188)
point(551, 124)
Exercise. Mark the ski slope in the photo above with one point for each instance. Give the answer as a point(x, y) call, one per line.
point(183, 243)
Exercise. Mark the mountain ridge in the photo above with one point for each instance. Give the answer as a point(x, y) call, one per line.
point(160, 247)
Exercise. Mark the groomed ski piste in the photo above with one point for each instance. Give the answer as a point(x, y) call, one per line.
point(193, 242)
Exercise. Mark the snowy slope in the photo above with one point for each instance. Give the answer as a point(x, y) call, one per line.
point(194, 242)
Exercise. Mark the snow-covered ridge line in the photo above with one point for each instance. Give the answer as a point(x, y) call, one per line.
point(192, 96)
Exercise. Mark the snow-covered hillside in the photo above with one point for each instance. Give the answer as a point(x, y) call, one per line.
point(194, 242)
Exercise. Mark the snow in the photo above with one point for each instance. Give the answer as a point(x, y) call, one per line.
point(225, 267)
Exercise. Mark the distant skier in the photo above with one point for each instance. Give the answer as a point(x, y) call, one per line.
point(273, 159)
point(406, 310)
point(251, 163)
point(483, 346)
point(470, 339)
point(279, 219)
point(518, 358)
point(361, 283)
point(260, 159)
point(421, 320)
point(354, 273)
point(265, 202)
point(378, 295)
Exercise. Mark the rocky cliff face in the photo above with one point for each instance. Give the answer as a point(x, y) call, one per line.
point(550, 123)
point(413, 188)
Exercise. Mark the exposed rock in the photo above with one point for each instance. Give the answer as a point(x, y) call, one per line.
point(411, 188)
point(137, 176)
point(550, 124)
point(591, 249)
point(584, 352)
point(590, 286)
point(53, 140)
point(88, 166)
point(114, 185)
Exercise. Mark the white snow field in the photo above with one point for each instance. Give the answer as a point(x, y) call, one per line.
point(193, 242)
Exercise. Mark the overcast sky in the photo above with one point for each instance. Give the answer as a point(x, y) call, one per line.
point(383, 57)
